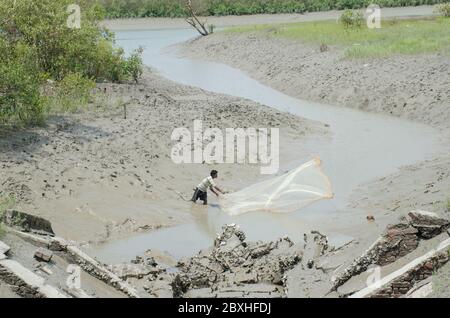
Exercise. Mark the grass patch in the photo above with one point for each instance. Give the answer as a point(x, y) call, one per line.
point(395, 37)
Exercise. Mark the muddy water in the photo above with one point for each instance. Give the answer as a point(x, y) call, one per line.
point(363, 147)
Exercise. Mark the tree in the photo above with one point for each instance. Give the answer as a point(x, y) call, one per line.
point(193, 20)
point(38, 43)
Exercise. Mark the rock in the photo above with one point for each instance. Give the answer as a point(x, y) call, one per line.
point(321, 243)
point(2, 256)
point(248, 278)
point(46, 270)
point(4, 249)
point(261, 250)
point(249, 290)
point(27, 223)
point(43, 254)
point(427, 223)
point(160, 258)
point(199, 293)
point(234, 262)
point(139, 271)
point(160, 288)
point(370, 218)
point(397, 241)
point(57, 244)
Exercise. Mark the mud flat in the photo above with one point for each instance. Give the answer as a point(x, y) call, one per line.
point(412, 87)
point(97, 176)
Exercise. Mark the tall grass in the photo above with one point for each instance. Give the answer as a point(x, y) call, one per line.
point(395, 37)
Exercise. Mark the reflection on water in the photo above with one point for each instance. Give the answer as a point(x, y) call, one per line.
point(364, 146)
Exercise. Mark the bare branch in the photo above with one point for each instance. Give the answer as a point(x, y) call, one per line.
point(194, 21)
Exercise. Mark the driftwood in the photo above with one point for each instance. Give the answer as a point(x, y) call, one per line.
point(193, 20)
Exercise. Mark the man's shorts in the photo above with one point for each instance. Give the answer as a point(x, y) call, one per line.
point(199, 194)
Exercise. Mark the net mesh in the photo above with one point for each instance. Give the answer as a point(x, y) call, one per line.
point(283, 194)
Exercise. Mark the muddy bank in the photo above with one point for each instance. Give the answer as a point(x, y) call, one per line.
point(103, 173)
point(235, 267)
point(414, 87)
point(411, 87)
point(407, 254)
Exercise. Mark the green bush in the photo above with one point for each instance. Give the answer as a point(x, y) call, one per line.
point(443, 9)
point(134, 64)
point(20, 78)
point(37, 44)
point(352, 19)
point(73, 92)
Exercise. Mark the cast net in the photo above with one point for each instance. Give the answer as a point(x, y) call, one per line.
point(286, 193)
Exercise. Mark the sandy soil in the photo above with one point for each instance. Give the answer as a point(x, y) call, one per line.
point(97, 176)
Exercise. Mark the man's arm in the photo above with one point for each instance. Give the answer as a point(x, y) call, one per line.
point(218, 189)
point(213, 189)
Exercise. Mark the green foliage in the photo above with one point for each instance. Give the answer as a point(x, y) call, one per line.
point(176, 8)
point(37, 44)
point(443, 9)
point(351, 19)
point(20, 78)
point(72, 92)
point(143, 8)
point(242, 7)
point(134, 64)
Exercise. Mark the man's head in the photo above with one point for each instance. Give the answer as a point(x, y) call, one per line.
point(214, 174)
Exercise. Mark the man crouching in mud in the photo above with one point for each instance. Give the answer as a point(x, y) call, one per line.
point(201, 192)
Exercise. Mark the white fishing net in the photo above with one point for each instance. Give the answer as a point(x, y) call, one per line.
point(286, 193)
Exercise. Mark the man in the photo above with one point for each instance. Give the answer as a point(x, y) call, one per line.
point(201, 192)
